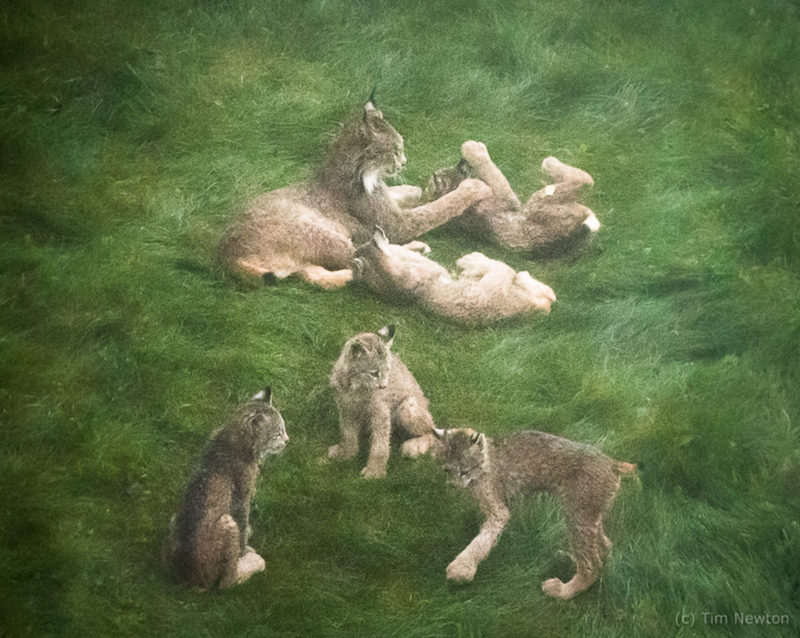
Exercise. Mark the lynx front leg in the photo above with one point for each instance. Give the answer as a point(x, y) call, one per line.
point(463, 568)
point(478, 158)
point(380, 444)
point(347, 447)
point(411, 223)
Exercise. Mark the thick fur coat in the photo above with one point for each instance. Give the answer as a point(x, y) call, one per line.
point(207, 543)
point(552, 223)
point(483, 290)
point(583, 479)
point(311, 228)
point(376, 394)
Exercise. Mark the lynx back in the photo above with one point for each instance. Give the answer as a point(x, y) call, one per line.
point(584, 480)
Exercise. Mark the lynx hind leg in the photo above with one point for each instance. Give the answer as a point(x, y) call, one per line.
point(589, 547)
point(485, 169)
point(563, 173)
point(326, 278)
point(417, 421)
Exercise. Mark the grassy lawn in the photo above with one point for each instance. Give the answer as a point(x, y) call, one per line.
point(131, 132)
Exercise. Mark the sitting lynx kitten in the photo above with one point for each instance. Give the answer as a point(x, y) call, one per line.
point(207, 544)
point(552, 222)
point(375, 392)
point(583, 479)
point(483, 291)
point(311, 228)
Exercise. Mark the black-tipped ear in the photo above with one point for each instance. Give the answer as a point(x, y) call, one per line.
point(265, 395)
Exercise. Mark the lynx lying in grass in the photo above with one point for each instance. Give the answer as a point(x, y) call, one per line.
point(311, 228)
point(552, 222)
point(483, 291)
point(375, 393)
point(583, 479)
point(207, 544)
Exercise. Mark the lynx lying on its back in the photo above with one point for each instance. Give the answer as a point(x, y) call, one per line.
point(483, 291)
point(207, 544)
point(583, 479)
point(552, 222)
point(310, 228)
point(375, 393)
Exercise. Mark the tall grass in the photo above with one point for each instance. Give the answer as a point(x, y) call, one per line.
point(132, 132)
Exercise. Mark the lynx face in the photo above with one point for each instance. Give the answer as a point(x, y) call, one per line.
point(264, 429)
point(446, 180)
point(383, 154)
point(367, 360)
point(465, 456)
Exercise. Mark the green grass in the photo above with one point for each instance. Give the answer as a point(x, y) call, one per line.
point(131, 132)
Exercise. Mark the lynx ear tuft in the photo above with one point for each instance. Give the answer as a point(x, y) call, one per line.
point(265, 395)
point(379, 238)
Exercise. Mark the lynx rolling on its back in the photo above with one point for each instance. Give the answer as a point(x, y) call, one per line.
point(207, 543)
point(311, 229)
point(551, 223)
point(483, 291)
point(376, 393)
point(584, 480)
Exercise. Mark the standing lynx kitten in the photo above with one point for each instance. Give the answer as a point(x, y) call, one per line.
point(207, 544)
point(311, 228)
point(583, 479)
point(375, 393)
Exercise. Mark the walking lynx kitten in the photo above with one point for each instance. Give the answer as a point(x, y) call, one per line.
point(207, 544)
point(376, 393)
point(583, 479)
point(311, 228)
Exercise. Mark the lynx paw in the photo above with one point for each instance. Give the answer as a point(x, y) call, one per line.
point(249, 564)
point(553, 587)
point(475, 189)
point(475, 153)
point(418, 246)
point(416, 446)
point(372, 473)
point(461, 570)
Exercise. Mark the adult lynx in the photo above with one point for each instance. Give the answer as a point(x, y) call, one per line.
point(583, 479)
point(311, 228)
point(207, 544)
point(483, 291)
point(376, 393)
point(550, 224)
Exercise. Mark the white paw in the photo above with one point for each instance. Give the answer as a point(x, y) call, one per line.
point(461, 570)
point(249, 564)
point(474, 152)
point(418, 246)
point(416, 446)
point(553, 587)
point(592, 223)
point(373, 473)
point(475, 189)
